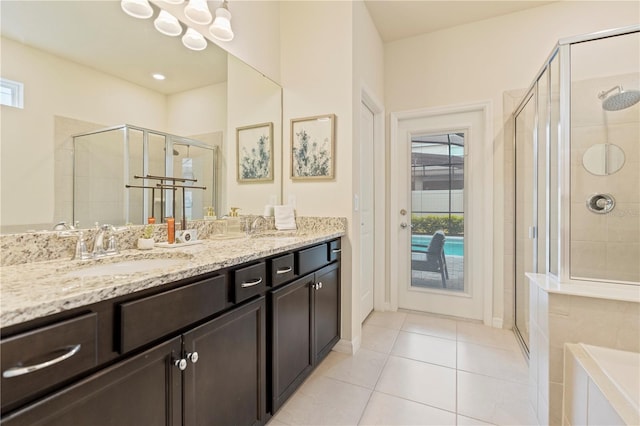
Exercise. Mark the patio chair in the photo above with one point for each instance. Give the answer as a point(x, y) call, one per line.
point(434, 257)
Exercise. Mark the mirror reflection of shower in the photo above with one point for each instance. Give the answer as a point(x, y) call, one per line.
point(106, 161)
point(621, 100)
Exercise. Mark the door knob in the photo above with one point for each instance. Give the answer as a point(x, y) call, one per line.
point(403, 225)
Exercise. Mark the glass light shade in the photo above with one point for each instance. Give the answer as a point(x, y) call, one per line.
point(174, 1)
point(198, 12)
point(167, 24)
point(140, 9)
point(194, 40)
point(221, 28)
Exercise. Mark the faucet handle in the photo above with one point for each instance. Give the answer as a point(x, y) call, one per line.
point(82, 253)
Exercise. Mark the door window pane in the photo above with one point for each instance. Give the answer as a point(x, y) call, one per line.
point(437, 211)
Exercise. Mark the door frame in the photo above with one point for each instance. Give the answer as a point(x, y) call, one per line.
point(487, 209)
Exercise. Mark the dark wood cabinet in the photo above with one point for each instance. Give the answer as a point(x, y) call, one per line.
point(226, 386)
point(326, 311)
point(143, 390)
point(224, 348)
point(305, 325)
point(291, 325)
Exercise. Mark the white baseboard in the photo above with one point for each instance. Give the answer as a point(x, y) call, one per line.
point(349, 347)
point(497, 323)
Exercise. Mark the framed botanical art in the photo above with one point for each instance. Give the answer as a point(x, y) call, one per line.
point(255, 152)
point(312, 147)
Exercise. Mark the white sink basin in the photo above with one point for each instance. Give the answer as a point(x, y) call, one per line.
point(125, 267)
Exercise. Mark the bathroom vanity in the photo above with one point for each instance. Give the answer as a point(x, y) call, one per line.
point(223, 334)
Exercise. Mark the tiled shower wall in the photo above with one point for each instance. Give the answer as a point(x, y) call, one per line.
point(605, 246)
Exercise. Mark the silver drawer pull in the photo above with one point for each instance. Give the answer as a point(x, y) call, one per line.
point(251, 283)
point(284, 270)
point(19, 371)
point(336, 250)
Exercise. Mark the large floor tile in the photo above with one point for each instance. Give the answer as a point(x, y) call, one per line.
point(419, 381)
point(484, 335)
point(384, 409)
point(426, 348)
point(378, 339)
point(494, 400)
point(362, 369)
point(387, 319)
point(324, 401)
point(430, 325)
point(507, 364)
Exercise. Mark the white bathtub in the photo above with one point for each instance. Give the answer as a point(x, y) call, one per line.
point(602, 386)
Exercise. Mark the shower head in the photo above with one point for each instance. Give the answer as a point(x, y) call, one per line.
point(621, 100)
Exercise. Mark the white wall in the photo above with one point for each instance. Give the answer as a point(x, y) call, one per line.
point(65, 89)
point(480, 61)
point(253, 99)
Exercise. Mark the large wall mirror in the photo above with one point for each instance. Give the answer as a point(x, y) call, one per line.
point(87, 66)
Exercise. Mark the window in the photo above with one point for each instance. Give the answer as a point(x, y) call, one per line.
point(11, 93)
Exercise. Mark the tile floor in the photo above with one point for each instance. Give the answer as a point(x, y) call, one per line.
point(415, 369)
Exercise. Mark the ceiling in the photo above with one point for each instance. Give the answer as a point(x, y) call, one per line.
point(398, 19)
point(99, 35)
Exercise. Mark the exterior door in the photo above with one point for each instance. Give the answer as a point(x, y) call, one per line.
point(366, 207)
point(443, 223)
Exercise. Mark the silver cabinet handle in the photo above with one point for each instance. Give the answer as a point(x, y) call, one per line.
point(180, 363)
point(19, 371)
point(251, 283)
point(336, 250)
point(317, 285)
point(284, 270)
point(193, 357)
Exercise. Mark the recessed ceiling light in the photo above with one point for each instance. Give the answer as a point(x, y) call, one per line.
point(159, 76)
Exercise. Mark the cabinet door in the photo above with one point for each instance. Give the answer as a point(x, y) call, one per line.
point(143, 390)
point(326, 310)
point(227, 384)
point(291, 356)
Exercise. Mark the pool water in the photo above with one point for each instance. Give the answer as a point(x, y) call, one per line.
point(453, 246)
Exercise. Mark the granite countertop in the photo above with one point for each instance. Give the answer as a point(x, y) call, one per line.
point(34, 290)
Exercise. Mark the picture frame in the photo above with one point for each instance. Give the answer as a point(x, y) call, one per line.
point(313, 147)
point(254, 153)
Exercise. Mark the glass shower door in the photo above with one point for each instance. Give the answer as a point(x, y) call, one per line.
point(525, 246)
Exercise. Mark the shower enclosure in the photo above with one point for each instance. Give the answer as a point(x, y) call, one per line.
point(111, 167)
point(577, 167)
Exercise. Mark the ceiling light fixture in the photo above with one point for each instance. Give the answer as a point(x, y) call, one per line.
point(221, 28)
point(140, 9)
point(167, 24)
point(194, 40)
point(198, 12)
point(174, 1)
point(158, 76)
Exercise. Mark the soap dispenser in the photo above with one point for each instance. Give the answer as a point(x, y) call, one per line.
point(233, 221)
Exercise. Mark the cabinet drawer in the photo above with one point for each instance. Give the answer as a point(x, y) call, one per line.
point(249, 281)
point(335, 248)
point(282, 269)
point(147, 319)
point(39, 359)
point(312, 258)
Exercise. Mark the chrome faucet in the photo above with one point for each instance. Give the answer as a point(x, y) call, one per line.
point(98, 242)
point(256, 224)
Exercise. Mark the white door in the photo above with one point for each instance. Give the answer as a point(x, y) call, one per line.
point(440, 185)
point(366, 208)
